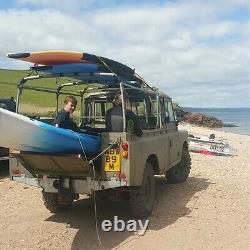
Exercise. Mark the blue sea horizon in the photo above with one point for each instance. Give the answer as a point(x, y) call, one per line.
point(236, 116)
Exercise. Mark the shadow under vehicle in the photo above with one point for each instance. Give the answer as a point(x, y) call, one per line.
point(126, 164)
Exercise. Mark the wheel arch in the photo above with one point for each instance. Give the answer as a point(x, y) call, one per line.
point(153, 160)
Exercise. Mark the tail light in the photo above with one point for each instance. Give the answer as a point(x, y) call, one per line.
point(124, 146)
point(15, 171)
point(125, 154)
point(122, 176)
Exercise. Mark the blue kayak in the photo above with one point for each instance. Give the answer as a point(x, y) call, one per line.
point(25, 134)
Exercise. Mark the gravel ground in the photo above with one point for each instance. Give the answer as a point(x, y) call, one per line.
point(211, 210)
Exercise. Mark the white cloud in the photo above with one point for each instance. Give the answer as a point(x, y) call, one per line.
point(69, 6)
point(217, 30)
point(186, 48)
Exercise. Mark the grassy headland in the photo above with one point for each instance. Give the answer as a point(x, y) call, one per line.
point(31, 101)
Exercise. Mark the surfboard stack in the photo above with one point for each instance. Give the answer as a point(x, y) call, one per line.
point(96, 68)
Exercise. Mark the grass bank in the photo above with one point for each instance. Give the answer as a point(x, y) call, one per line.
point(32, 101)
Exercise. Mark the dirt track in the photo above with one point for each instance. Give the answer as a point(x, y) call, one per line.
point(209, 211)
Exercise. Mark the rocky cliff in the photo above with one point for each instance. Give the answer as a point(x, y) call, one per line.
point(199, 118)
point(202, 120)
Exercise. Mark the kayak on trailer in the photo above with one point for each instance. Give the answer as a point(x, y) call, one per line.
point(25, 134)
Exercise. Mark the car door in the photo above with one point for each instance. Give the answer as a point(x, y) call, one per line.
point(171, 131)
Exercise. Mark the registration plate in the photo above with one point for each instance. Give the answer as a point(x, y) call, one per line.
point(112, 160)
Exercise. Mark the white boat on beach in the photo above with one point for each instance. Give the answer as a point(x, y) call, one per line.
point(209, 145)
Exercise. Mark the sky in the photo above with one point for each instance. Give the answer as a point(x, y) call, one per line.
point(198, 52)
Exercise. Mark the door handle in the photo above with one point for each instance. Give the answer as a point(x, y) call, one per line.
point(170, 144)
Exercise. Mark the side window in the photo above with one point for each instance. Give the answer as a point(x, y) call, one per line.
point(162, 112)
point(140, 109)
point(154, 109)
point(170, 112)
point(101, 109)
point(152, 115)
point(87, 115)
point(98, 109)
point(95, 112)
point(133, 107)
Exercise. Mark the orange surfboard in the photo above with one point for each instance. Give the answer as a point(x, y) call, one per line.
point(49, 58)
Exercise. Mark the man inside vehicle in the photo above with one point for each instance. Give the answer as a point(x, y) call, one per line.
point(114, 116)
point(63, 119)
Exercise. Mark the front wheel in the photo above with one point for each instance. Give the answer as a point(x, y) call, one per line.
point(180, 172)
point(142, 198)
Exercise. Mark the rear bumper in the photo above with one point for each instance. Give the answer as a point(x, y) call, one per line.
point(26, 180)
point(78, 186)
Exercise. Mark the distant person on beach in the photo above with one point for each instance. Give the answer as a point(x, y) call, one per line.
point(114, 116)
point(63, 119)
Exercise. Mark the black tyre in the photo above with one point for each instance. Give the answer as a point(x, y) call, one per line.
point(101, 195)
point(54, 204)
point(142, 198)
point(180, 172)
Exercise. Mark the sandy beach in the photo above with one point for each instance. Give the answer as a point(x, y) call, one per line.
point(211, 210)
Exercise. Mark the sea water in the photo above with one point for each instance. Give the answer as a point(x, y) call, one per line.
point(236, 116)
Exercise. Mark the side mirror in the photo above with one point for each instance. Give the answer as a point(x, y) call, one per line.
point(177, 118)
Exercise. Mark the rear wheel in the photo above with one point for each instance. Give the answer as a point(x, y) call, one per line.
point(180, 172)
point(142, 198)
point(55, 203)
